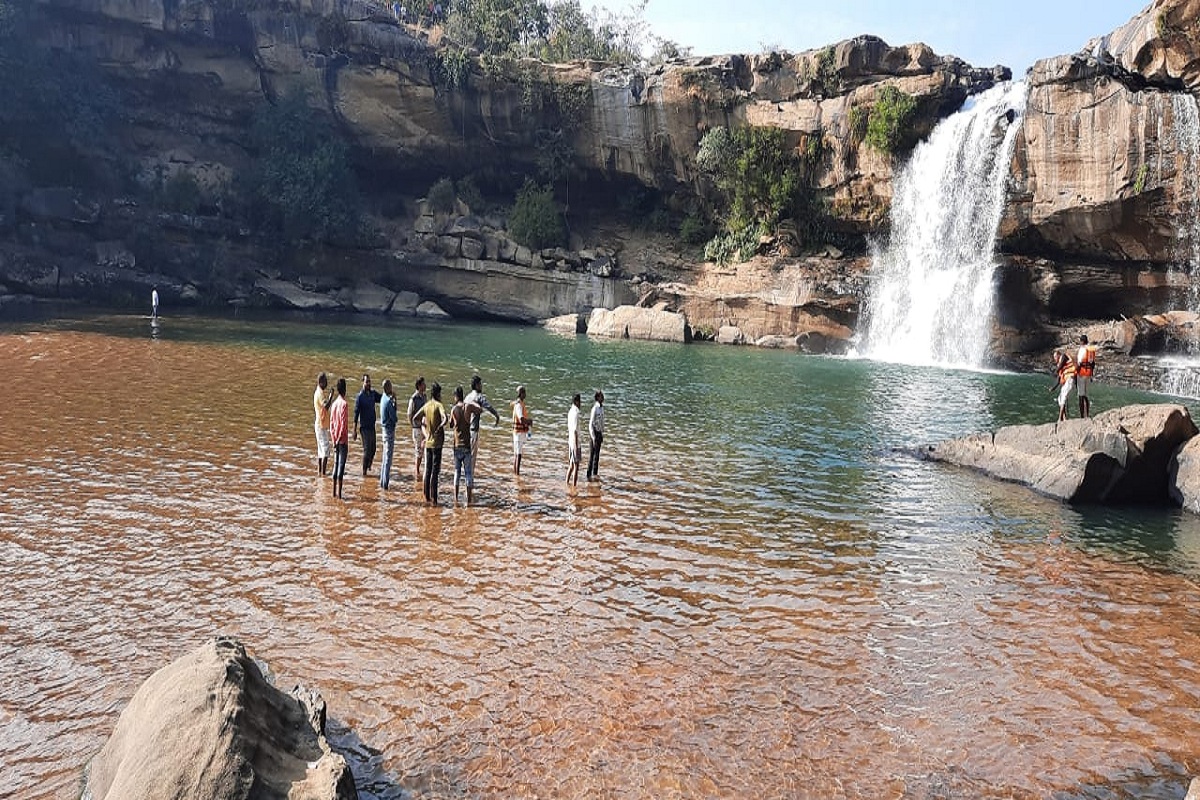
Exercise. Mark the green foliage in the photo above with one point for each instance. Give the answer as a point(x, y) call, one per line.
point(858, 123)
point(182, 193)
point(1139, 183)
point(534, 220)
point(825, 81)
point(889, 124)
point(55, 106)
point(756, 171)
point(441, 196)
point(301, 183)
point(454, 67)
point(553, 154)
point(736, 246)
point(469, 193)
point(694, 230)
point(498, 26)
point(600, 36)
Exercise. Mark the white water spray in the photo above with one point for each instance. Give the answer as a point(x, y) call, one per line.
point(931, 292)
point(1182, 376)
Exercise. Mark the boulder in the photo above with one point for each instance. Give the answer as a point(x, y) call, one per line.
point(730, 334)
point(473, 248)
point(290, 294)
point(632, 322)
point(432, 310)
point(61, 204)
point(1121, 456)
point(369, 297)
point(775, 342)
point(1184, 484)
point(406, 303)
point(568, 324)
point(211, 726)
point(114, 254)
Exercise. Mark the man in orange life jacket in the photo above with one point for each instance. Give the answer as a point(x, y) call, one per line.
point(1065, 368)
point(1086, 367)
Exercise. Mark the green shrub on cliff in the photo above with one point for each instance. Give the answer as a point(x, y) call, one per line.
point(441, 196)
point(301, 184)
point(535, 221)
point(890, 121)
point(756, 171)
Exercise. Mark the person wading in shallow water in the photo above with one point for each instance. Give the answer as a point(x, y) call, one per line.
point(339, 428)
point(595, 437)
point(322, 399)
point(475, 396)
point(415, 404)
point(435, 438)
point(364, 421)
point(522, 428)
point(574, 449)
point(462, 414)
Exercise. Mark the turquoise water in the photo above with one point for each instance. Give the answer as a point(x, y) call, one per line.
point(767, 595)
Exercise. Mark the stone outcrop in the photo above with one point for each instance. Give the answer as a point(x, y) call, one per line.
point(1185, 476)
point(1118, 457)
point(566, 324)
point(209, 725)
point(632, 322)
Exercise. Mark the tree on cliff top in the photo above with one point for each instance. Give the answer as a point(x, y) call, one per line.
point(498, 27)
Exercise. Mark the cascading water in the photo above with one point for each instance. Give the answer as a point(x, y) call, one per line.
point(1183, 377)
point(931, 293)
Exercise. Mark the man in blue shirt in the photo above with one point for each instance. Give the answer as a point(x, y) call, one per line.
point(364, 420)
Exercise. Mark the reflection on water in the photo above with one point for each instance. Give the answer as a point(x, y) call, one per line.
point(765, 597)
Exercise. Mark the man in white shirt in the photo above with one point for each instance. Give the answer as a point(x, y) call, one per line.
point(574, 451)
point(154, 303)
point(595, 437)
point(475, 396)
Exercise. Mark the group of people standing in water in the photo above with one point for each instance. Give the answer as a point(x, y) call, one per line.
point(1075, 374)
point(431, 421)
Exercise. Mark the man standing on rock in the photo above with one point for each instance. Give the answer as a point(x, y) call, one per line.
point(1064, 367)
point(364, 421)
point(322, 399)
point(415, 404)
point(1086, 361)
point(522, 428)
point(475, 397)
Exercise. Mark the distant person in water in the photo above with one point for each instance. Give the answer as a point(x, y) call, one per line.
point(574, 450)
point(387, 418)
point(339, 428)
point(435, 439)
point(322, 399)
point(522, 428)
point(475, 397)
point(415, 404)
point(364, 421)
point(1064, 369)
point(462, 415)
point(1085, 368)
point(595, 436)
point(154, 303)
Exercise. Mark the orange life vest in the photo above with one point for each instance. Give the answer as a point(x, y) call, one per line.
point(1066, 371)
point(1087, 364)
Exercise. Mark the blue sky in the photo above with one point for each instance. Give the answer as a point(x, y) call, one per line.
point(983, 32)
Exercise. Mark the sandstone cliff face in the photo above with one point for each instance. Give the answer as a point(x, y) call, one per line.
point(1105, 169)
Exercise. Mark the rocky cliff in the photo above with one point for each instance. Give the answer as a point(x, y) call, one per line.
point(191, 75)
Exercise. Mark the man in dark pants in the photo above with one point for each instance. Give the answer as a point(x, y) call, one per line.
point(364, 420)
point(595, 436)
point(434, 415)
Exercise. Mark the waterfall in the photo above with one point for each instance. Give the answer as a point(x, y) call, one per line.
point(931, 293)
point(1183, 377)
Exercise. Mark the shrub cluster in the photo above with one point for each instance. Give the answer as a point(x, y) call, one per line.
point(535, 220)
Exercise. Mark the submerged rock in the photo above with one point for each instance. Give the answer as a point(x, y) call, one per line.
point(1119, 456)
point(209, 725)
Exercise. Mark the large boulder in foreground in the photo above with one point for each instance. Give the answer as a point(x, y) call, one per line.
point(1120, 456)
point(211, 726)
